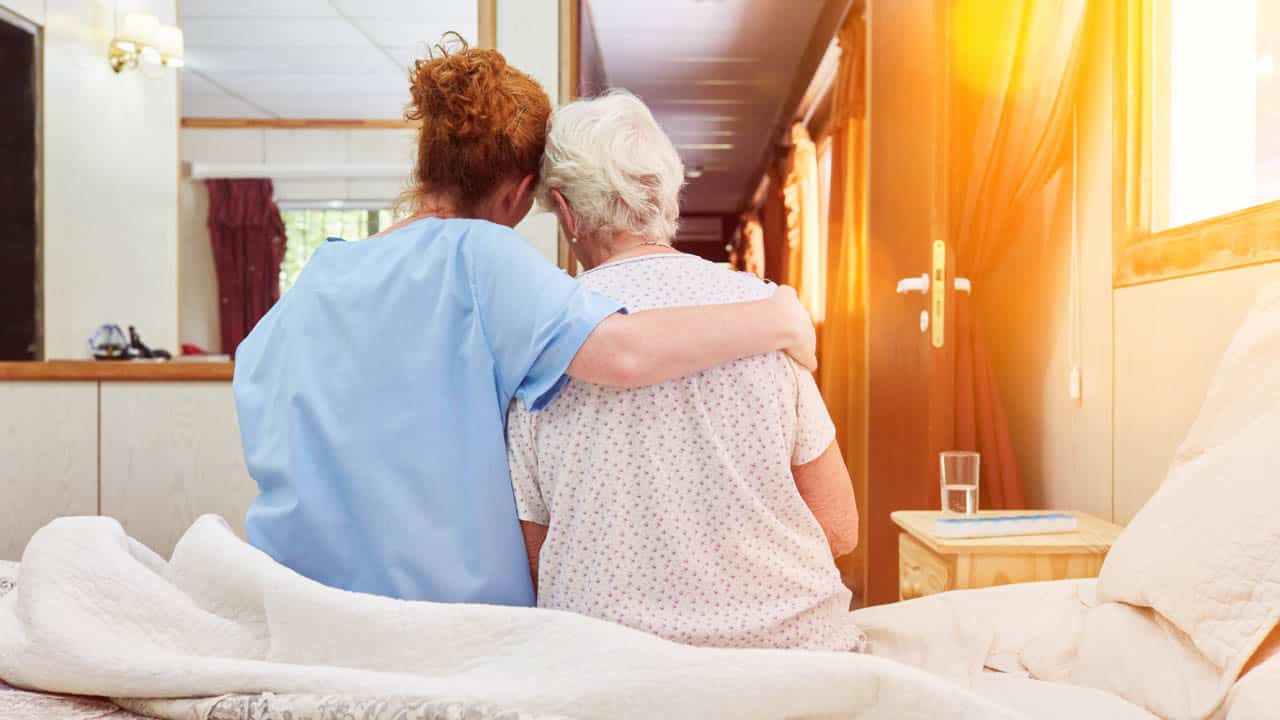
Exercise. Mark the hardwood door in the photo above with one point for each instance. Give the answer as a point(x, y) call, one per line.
point(910, 352)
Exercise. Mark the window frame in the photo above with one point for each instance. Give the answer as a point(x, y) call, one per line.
point(1245, 237)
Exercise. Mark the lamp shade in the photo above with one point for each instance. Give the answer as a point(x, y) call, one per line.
point(168, 40)
point(139, 28)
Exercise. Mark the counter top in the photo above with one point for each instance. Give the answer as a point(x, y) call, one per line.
point(116, 371)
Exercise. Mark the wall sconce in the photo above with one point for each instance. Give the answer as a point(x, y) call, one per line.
point(142, 39)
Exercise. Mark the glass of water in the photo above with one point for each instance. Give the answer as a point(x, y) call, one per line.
point(959, 482)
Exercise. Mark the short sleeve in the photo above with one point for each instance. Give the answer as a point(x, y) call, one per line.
point(814, 430)
point(524, 466)
point(535, 317)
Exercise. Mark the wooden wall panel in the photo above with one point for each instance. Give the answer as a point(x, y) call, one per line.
point(171, 453)
point(48, 457)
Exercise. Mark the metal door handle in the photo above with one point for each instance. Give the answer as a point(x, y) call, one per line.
point(914, 284)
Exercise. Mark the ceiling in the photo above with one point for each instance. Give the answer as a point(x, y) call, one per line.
point(717, 74)
point(314, 59)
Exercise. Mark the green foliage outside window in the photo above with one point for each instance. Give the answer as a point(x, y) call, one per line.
point(306, 230)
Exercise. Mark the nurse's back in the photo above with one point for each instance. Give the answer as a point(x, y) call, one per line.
point(368, 400)
point(371, 398)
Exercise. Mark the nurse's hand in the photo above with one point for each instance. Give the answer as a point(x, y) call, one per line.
point(802, 339)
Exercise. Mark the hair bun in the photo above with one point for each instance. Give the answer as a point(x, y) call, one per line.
point(458, 90)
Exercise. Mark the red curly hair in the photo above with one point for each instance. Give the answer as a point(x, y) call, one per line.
point(482, 122)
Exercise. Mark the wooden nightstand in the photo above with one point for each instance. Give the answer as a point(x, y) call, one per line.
point(928, 565)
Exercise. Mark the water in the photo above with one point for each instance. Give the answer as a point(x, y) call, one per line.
point(960, 499)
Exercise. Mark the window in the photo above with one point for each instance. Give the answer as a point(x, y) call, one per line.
point(1199, 136)
point(1216, 108)
point(306, 229)
point(824, 219)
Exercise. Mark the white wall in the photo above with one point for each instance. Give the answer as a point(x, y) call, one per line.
point(199, 287)
point(110, 250)
point(1148, 352)
point(1063, 445)
point(529, 36)
point(32, 10)
point(1170, 337)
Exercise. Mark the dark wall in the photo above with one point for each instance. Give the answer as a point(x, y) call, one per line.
point(706, 236)
point(18, 290)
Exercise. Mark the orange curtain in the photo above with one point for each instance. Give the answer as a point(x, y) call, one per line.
point(842, 371)
point(773, 225)
point(747, 254)
point(801, 198)
point(1015, 65)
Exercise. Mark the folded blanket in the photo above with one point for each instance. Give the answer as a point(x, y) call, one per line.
point(96, 613)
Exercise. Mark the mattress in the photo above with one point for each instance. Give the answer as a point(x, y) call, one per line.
point(22, 705)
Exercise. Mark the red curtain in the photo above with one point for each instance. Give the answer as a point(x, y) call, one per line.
point(247, 233)
point(1012, 113)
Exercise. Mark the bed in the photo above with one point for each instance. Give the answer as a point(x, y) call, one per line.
point(1173, 627)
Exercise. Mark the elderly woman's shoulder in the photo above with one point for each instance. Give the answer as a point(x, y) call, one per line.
point(750, 284)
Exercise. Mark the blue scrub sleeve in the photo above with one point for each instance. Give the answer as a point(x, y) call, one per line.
point(534, 315)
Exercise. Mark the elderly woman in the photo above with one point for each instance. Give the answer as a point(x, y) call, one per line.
point(707, 510)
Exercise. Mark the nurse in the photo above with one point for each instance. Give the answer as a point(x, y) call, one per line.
point(372, 398)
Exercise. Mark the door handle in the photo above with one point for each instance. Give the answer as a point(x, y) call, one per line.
point(921, 285)
point(914, 284)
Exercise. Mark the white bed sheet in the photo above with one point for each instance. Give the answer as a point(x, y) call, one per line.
point(961, 635)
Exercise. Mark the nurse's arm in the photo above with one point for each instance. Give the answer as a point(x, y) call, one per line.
point(654, 346)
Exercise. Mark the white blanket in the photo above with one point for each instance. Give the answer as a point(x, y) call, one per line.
point(96, 613)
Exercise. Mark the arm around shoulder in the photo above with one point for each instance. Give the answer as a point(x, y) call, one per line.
point(654, 346)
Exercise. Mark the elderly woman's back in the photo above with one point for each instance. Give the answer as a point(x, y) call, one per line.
point(676, 508)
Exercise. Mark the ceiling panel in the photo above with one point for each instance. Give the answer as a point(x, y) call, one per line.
point(459, 12)
point(663, 15)
point(265, 85)
point(317, 59)
point(323, 59)
point(398, 31)
point(193, 83)
point(319, 105)
point(219, 105)
point(715, 73)
point(271, 31)
point(256, 8)
point(406, 55)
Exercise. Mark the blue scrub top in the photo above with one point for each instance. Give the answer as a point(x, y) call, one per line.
point(373, 398)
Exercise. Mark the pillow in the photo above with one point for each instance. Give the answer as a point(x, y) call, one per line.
point(1204, 552)
point(8, 576)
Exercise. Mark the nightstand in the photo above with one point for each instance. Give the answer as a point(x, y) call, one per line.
point(928, 564)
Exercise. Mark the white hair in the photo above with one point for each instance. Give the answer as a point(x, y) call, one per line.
point(616, 168)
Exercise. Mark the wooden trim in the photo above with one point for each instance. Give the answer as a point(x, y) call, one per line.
point(1245, 237)
point(487, 24)
point(115, 371)
point(570, 48)
point(298, 124)
point(570, 55)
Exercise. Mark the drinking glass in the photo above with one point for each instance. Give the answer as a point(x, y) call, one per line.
point(959, 482)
